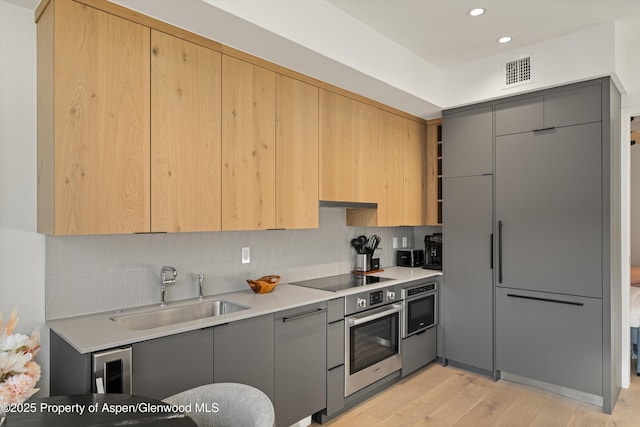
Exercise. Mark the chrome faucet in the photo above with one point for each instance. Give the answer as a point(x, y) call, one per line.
point(200, 284)
point(167, 281)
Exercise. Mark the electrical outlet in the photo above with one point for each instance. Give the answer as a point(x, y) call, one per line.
point(395, 243)
point(246, 255)
point(404, 242)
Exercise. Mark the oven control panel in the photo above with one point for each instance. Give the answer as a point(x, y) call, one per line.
point(371, 299)
point(419, 289)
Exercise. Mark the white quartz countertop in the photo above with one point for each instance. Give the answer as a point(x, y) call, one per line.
point(95, 332)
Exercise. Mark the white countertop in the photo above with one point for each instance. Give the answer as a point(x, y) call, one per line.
point(95, 332)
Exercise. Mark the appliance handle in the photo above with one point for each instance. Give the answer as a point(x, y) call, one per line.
point(491, 250)
point(303, 315)
point(558, 301)
point(499, 251)
point(354, 321)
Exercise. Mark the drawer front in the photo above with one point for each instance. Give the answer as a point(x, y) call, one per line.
point(549, 337)
point(335, 390)
point(418, 350)
point(335, 310)
point(335, 344)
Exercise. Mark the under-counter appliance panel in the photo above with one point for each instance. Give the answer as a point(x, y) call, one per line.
point(420, 308)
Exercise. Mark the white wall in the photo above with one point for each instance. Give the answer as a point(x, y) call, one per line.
point(21, 249)
point(570, 58)
point(89, 274)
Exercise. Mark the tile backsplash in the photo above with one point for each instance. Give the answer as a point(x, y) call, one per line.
point(90, 274)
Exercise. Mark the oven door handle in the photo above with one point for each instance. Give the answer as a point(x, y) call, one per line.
point(354, 321)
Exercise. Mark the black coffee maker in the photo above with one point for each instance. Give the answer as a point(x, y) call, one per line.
point(433, 251)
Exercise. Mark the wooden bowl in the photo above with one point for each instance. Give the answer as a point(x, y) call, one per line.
point(265, 284)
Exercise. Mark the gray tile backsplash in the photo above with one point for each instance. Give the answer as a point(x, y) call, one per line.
point(89, 274)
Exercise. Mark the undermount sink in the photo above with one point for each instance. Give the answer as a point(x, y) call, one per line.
point(173, 315)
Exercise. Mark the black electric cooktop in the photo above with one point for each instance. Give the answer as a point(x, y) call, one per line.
point(341, 282)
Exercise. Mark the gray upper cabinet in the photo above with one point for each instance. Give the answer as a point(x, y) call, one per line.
point(165, 366)
point(467, 141)
point(244, 353)
point(568, 106)
point(549, 202)
point(468, 276)
point(300, 363)
point(573, 106)
point(521, 115)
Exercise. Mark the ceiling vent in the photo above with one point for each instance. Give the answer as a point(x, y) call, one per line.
point(517, 72)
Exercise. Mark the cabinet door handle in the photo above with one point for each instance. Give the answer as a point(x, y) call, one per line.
point(544, 129)
point(558, 301)
point(303, 315)
point(499, 251)
point(491, 250)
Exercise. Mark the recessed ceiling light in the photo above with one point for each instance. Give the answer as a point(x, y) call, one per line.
point(476, 12)
point(505, 39)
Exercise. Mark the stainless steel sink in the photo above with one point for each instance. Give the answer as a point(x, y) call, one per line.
point(172, 315)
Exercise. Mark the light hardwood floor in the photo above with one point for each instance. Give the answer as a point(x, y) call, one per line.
point(447, 396)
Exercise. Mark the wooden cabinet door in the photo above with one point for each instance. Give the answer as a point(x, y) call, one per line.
point(101, 132)
point(415, 158)
point(390, 166)
point(248, 146)
point(348, 149)
point(296, 154)
point(185, 134)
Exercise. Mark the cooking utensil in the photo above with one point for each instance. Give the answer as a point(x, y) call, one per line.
point(357, 245)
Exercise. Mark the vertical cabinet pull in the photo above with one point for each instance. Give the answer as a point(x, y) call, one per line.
point(491, 249)
point(499, 251)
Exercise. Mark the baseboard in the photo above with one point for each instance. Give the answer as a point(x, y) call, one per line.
point(592, 399)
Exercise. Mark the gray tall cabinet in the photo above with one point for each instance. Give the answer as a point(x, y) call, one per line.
point(546, 316)
point(468, 227)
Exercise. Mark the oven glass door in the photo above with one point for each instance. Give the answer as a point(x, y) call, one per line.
point(420, 313)
point(373, 342)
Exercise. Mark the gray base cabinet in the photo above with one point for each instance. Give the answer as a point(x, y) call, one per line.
point(335, 356)
point(418, 350)
point(244, 353)
point(70, 371)
point(165, 366)
point(300, 362)
point(549, 337)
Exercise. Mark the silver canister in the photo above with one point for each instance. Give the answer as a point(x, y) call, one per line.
point(363, 262)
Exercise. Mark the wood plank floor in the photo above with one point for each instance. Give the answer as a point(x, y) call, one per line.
point(447, 396)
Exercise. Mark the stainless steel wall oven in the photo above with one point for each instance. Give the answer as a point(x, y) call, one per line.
point(372, 337)
point(420, 308)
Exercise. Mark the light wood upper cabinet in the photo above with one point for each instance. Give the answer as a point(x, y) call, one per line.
point(297, 154)
point(185, 135)
point(348, 149)
point(390, 166)
point(415, 159)
point(401, 163)
point(93, 122)
point(248, 146)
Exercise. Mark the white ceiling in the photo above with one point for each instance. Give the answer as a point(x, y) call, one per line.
point(394, 51)
point(441, 32)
